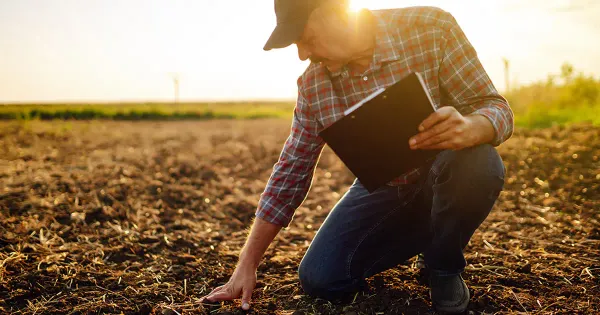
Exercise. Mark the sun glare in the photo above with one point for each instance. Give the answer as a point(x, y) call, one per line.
point(356, 5)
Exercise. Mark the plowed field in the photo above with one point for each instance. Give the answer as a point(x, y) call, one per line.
point(146, 217)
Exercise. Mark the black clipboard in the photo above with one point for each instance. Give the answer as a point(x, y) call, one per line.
point(372, 138)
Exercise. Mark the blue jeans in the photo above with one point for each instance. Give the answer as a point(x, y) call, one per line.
point(365, 234)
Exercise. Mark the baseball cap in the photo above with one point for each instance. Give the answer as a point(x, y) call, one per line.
point(292, 16)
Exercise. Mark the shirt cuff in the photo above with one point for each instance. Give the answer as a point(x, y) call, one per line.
point(494, 116)
point(273, 216)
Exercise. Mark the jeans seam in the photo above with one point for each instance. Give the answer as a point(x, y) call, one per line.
point(375, 263)
point(432, 170)
point(414, 194)
point(416, 191)
point(349, 263)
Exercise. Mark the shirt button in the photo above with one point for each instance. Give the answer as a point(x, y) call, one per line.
point(365, 78)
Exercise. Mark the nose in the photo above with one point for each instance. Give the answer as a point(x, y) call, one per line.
point(303, 52)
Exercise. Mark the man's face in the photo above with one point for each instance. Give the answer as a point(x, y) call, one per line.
point(325, 41)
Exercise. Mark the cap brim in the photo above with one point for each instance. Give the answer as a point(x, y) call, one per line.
point(284, 35)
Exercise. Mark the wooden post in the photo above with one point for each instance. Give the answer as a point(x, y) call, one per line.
point(176, 88)
point(175, 77)
point(506, 75)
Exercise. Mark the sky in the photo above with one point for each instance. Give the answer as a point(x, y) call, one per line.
point(129, 50)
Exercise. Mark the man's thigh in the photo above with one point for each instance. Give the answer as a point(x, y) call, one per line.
point(362, 235)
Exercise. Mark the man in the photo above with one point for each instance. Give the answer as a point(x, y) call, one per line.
point(432, 210)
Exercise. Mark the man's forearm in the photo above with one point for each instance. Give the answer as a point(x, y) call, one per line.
point(261, 236)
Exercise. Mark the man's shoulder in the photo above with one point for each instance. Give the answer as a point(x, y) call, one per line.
point(417, 16)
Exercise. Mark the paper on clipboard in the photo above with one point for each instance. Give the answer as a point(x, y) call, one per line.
point(364, 100)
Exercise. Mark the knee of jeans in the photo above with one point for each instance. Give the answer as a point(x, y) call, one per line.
point(312, 280)
point(482, 160)
point(478, 167)
point(315, 280)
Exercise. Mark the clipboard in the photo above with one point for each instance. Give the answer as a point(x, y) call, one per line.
point(372, 137)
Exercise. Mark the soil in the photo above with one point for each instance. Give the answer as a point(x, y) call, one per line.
point(147, 217)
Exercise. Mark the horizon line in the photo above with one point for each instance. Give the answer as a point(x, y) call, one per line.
point(145, 101)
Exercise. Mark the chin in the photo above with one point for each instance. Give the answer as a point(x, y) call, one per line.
point(333, 66)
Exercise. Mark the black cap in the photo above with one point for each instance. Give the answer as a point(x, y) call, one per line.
point(292, 16)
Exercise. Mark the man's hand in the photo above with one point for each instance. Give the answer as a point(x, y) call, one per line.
point(243, 280)
point(241, 283)
point(446, 129)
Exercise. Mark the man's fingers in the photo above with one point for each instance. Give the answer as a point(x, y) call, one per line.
point(216, 289)
point(208, 296)
point(246, 296)
point(437, 139)
point(449, 143)
point(222, 295)
point(439, 115)
point(444, 145)
point(420, 139)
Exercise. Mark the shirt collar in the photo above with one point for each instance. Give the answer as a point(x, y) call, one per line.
point(385, 49)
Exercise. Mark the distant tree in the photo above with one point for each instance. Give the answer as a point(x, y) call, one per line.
point(566, 71)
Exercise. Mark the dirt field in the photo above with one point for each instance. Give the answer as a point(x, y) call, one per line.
point(145, 218)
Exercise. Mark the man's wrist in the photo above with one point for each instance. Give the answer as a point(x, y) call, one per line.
point(261, 235)
point(482, 129)
point(248, 263)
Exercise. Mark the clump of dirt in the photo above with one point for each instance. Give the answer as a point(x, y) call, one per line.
point(147, 217)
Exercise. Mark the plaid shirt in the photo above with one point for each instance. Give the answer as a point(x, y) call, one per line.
point(418, 39)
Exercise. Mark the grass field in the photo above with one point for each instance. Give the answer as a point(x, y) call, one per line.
point(147, 111)
point(534, 117)
point(547, 117)
point(559, 100)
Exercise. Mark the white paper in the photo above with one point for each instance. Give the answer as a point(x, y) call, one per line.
point(426, 90)
point(364, 100)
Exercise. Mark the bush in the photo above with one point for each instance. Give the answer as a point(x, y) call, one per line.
point(562, 99)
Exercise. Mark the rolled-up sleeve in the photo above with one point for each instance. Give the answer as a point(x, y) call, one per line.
point(292, 175)
point(466, 85)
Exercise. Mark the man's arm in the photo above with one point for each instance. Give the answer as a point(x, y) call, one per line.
point(261, 236)
point(285, 191)
point(477, 113)
point(293, 173)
